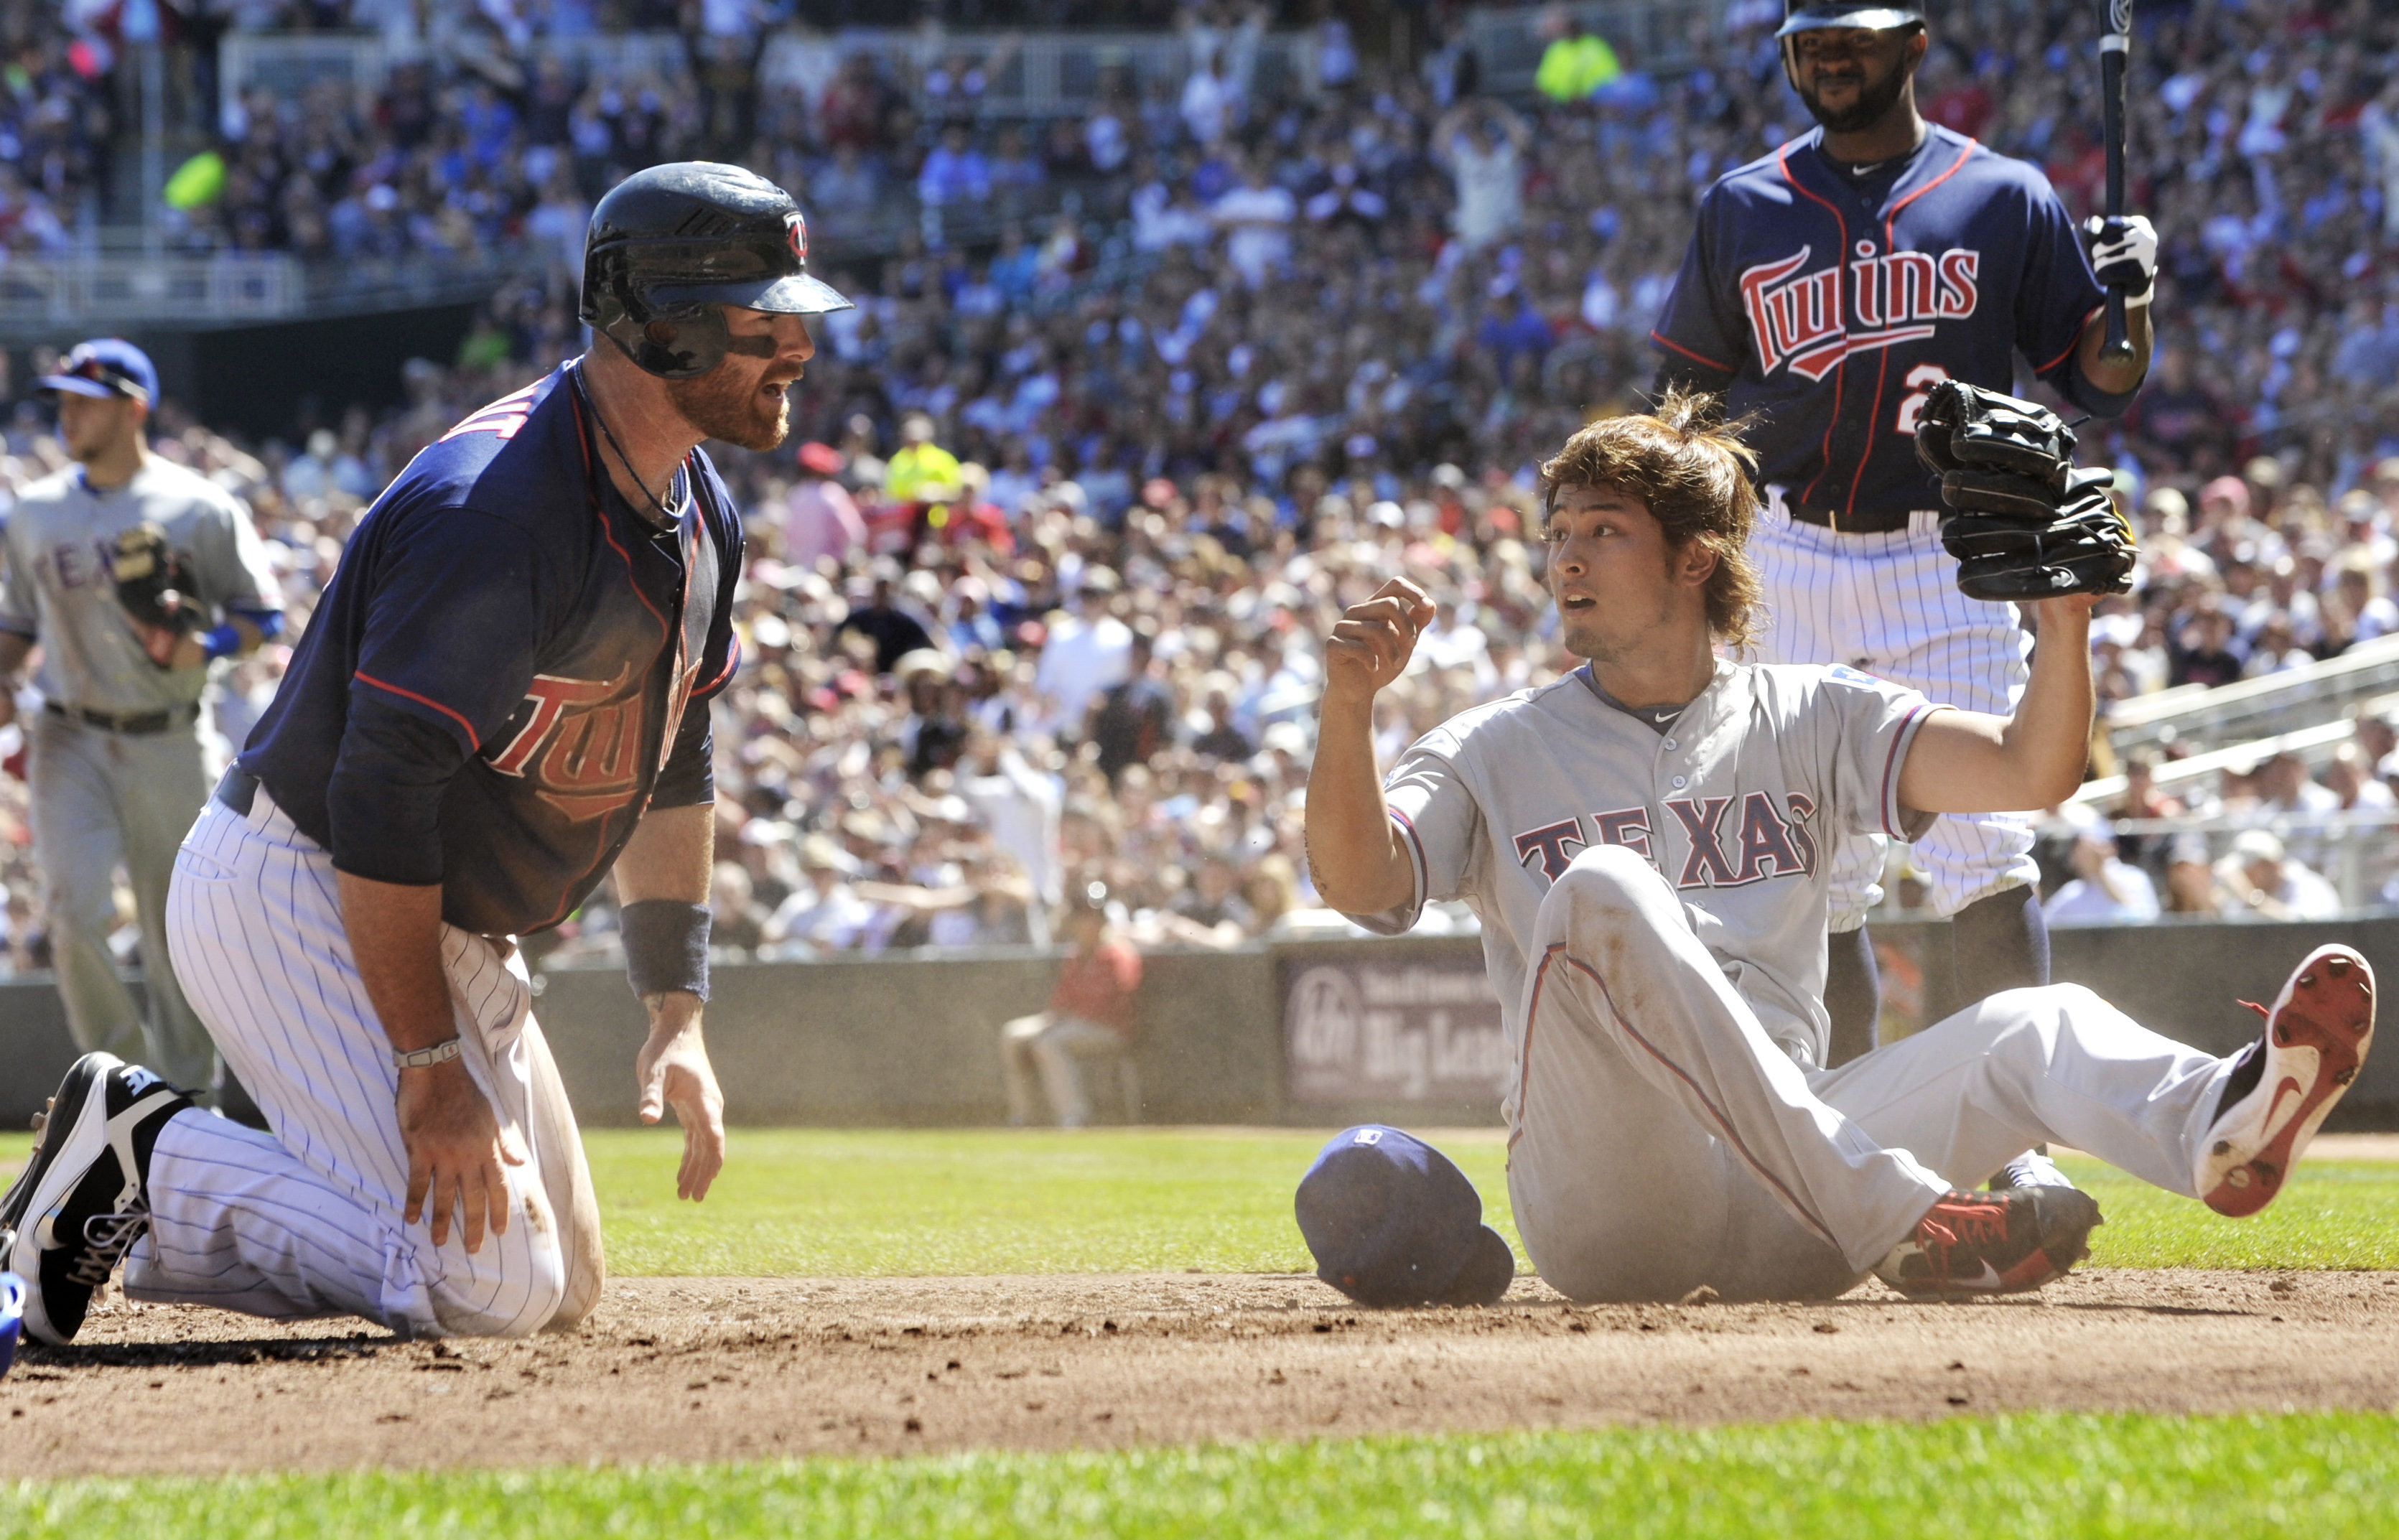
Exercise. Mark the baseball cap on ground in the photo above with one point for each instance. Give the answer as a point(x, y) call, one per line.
point(106, 366)
point(1391, 1222)
point(12, 1314)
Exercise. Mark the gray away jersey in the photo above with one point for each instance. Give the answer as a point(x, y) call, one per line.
point(1740, 803)
point(60, 542)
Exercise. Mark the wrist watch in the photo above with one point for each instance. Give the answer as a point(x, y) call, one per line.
point(424, 1059)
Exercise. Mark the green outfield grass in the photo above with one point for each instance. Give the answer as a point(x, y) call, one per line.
point(866, 1203)
point(2323, 1476)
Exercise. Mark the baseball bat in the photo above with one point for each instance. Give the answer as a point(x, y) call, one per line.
point(2115, 48)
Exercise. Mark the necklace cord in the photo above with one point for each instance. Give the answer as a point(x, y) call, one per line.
point(666, 520)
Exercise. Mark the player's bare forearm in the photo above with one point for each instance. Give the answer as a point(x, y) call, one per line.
point(395, 932)
point(454, 1148)
point(1353, 849)
point(672, 856)
point(1967, 762)
point(2116, 379)
point(1359, 866)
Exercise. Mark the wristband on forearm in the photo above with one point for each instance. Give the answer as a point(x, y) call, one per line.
point(223, 642)
point(666, 947)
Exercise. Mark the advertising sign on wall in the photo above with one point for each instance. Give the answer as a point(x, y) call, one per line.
point(1409, 1029)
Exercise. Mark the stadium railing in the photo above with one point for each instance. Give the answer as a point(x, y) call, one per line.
point(39, 295)
point(1039, 75)
point(2257, 707)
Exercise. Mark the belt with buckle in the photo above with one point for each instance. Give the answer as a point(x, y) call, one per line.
point(1847, 523)
point(136, 722)
point(237, 788)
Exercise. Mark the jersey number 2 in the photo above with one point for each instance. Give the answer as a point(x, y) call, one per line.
point(1920, 381)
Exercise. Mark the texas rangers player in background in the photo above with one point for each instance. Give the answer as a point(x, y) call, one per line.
point(503, 696)
point(1828, 287)
point(116, 757)
point(1643, 841)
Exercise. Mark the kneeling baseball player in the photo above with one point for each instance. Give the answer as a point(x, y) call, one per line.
point(503, 696)
point(1645, 841)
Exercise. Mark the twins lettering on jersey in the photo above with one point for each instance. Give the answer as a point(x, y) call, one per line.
point(581, 746)
point(1799, 319)
point(1726, 850)
point(580, 743)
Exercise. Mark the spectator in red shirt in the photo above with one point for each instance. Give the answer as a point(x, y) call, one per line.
point(1090, 1014)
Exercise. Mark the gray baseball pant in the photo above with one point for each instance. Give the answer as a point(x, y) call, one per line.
point(99, 798)
point(1661, 1140)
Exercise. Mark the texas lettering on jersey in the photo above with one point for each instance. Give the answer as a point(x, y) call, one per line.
point(1725, 852)
point(1796, 318)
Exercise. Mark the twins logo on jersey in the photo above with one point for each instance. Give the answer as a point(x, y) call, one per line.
point(581, 746)
point(1796, 318)
point(1760, 846)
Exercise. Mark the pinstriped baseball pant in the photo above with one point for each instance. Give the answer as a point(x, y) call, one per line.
point(307, 1220)
point(1888, 605)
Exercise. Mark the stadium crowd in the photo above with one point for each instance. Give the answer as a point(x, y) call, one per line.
point(1036, 587)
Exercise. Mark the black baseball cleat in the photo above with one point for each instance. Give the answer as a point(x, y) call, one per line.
point(2315, 1038)
point(2006, 1242)
point(81, 1202)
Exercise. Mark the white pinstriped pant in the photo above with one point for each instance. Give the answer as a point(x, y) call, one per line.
point(1888, 605)
point(307, 1220)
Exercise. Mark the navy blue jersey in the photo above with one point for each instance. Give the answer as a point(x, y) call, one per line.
point(1830, 305)
point(509, 668)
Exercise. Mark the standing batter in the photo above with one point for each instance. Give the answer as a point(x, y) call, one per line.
point(1643, 841)
point(503, 696)
point(1829, 288)
point(115, 761)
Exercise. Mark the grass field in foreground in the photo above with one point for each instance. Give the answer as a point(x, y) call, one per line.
point(867, 1203)
point(864, 1203)
point(2324, 1476)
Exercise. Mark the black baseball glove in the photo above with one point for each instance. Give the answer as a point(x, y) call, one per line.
point(2025, 525)
point(155, 586)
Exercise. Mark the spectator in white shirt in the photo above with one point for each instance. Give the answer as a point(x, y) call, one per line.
point(2257, 881)
point(1209, 104)
point(1486, 168)
point(1084, 655)
point(1256, 218)
point(823, 915)
point(2104, 889)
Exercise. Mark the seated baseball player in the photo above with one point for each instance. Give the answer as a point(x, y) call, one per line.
point(502, 701)
point(1643, 840)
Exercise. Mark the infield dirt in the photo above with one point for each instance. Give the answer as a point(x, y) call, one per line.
point(719, 1368)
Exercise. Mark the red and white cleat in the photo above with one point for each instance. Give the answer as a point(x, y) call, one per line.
point(2315, 1038)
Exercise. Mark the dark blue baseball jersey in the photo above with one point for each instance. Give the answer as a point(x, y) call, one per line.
point(1829, 304)
point(509, 668)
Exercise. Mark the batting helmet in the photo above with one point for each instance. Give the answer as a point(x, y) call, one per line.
point(670, 245)
point(1807, 15)
point(1800, 16)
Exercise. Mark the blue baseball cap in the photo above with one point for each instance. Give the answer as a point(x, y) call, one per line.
point(1391, 1222)
point(103, 367)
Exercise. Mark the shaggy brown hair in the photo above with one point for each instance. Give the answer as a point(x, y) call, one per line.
point(1684, 465)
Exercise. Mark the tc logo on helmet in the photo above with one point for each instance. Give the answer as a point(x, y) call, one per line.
point(795, 230)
